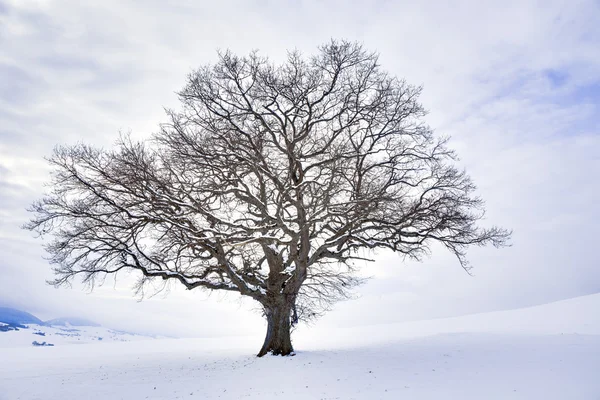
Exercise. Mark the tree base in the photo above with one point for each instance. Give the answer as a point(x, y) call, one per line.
point(278, 339)
point(271, 353)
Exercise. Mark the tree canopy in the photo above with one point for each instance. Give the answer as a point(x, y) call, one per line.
point(270, 181)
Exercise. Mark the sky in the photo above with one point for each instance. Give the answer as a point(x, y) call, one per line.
point(516, 84)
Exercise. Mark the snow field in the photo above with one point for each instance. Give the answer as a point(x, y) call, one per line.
point(545, 352)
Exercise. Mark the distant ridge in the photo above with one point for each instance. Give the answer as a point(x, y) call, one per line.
point(14, 316)
point(72, 321)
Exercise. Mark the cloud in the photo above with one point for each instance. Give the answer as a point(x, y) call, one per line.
point(515, 84)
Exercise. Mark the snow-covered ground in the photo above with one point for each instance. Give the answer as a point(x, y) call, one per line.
point(544, 352)
point(63, 335)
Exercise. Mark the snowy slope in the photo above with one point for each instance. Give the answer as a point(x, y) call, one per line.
point(580, 315)
point(14, 316)
point(73, 321)
point(63, 335)
point(545, 352)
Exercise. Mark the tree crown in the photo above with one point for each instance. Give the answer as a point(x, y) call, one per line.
point(269, 180)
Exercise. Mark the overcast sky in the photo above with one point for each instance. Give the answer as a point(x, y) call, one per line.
point(515, 83)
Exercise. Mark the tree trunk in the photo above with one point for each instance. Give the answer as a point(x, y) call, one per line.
point(278, 340)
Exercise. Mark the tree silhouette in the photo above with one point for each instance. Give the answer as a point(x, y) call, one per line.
point(270, 181)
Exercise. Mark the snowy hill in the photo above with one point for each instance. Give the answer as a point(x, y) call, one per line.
point(545, 352)
point(19, 328)
point(70, 321)
point(578, 315)
point(63, 335)
point(14, 316)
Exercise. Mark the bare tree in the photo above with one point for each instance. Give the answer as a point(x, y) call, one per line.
point(269, 182)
